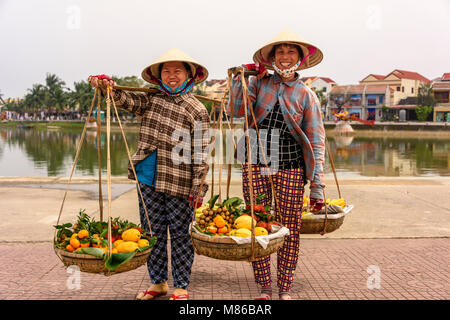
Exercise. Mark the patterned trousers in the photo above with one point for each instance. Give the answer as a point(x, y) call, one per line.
point(171, 213)
point(289, 188)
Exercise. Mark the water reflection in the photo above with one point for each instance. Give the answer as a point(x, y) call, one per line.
point(51, 153)
point(38, 152)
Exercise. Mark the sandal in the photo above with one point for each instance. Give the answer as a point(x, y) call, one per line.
point(179, 294)
point(285, 296)
point(264, 296)
point(152, 293)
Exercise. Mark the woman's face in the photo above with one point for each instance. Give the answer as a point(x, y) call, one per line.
point(173, 74)
point(286, 56)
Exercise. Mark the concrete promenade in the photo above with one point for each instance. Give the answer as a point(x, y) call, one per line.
point(399, 231)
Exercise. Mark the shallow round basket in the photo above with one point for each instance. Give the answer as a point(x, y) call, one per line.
point(225, 248)
point(314, 226)
point(91, 264)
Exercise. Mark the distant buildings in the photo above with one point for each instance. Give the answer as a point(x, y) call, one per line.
point(441, 91)
point(319, 83)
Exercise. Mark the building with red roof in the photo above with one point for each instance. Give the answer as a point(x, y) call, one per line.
point(404, 83)
point(323, 84)
point(441, 91)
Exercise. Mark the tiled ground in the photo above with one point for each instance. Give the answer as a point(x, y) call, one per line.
point(328, 269)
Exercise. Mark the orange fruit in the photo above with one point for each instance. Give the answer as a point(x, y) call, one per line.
point(211, 229)
point(83, 233)
point(219, 221)
point(114, 250)
point(75, 243)
point(224, 229)
point(73, 235)
point(85, 244)
point(69, 248)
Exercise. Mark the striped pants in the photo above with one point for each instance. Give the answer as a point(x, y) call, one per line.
point(289, 188)
point(171, 213)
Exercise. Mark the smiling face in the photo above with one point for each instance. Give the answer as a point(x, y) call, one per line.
point(286, 56)
point(173, 74)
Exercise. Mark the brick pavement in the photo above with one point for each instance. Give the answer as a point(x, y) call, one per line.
point(328, 269)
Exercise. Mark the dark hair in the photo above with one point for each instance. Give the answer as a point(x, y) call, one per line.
point(185, 64)
point(275, 47)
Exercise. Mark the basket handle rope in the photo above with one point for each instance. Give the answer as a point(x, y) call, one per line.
point(99, 132)
point(132, 165)
point(73, 167)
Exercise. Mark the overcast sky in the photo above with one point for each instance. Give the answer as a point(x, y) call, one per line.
point(76, 38)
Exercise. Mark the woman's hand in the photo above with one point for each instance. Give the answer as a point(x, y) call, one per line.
point(315, 205)
point(101, 81)
point(262, 71)
point(195, 201)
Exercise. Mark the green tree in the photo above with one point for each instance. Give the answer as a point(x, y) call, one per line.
point(56, 95)
point(81, 96)
point(35, 97)
point(425, 96)
point(423, 112)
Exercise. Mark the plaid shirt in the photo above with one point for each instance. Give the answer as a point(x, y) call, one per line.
point(301, 111)
point(164, 121)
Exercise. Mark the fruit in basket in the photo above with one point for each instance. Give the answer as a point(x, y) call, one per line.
point(260, 231)
point(211, 229)
point(219, 221)
point(242, 232)
point(83, 234)
point(263, 224)
point(143, 243)
point(75, 243)
point(69, 248)
point(131, 235)
point(244, 222)
point(224, 229)
point(117, 242)
point(127, 246)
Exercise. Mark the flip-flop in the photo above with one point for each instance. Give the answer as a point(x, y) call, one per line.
point(264, 296)
point(285, 296)
point(180, 297)
point(152, 293)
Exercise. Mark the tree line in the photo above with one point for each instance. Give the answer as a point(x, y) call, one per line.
point(54, 96)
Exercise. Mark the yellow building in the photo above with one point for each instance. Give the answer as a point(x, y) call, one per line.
point(403, 83)
point(213, 89)
point(441, 91)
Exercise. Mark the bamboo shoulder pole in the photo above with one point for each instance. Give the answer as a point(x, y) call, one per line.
point(153, 90)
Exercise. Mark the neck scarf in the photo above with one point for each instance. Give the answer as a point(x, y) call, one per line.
point(287, 73)
point(185, 87)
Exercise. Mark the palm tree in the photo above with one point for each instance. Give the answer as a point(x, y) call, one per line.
point(56, 96)
point(35, 97)
point(82, 95)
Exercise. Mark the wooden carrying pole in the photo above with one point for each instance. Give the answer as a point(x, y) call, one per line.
point(154, 90)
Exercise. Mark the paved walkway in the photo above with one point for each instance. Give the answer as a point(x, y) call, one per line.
point(399, 231)
point(337, 269)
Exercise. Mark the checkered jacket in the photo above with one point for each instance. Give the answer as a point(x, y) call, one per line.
point(175, 126)
point(301, 111)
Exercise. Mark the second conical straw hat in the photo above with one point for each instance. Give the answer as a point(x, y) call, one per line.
point(288, 36)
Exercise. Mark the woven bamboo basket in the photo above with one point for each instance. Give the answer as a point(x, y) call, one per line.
point(316, 226)
point(225, 248)
point(91, 264)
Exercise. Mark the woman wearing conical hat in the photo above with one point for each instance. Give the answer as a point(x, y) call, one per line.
point(170, 184)
point(289, 119)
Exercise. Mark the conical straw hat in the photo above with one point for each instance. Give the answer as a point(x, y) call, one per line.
point(199, 72)
point(288, 36)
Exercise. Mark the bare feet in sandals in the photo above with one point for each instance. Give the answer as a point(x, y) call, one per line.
point(179, 294)
point(155, 290)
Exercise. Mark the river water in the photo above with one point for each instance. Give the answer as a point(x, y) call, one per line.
point(48, 153)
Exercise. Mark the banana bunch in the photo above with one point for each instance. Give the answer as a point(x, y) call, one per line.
point(336, 202)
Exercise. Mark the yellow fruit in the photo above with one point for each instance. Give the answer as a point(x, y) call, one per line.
point(260, 231)
point(143, 243)
point(244, 222)
point(242, 232)
point(73, 235)
point(307, 215)
point(114, 250)
point(83, 233)
point(127, 246)
point(117, 242)
point(131, 235)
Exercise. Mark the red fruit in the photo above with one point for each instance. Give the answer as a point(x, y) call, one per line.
point(270, 224)
point(262, 224)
